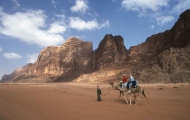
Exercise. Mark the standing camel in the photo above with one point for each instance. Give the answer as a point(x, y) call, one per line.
point(116, 88)
point(138, 90)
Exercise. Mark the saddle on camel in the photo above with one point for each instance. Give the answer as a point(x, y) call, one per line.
point(130, 83)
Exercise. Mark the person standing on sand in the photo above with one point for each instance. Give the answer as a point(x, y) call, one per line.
point(99, 93)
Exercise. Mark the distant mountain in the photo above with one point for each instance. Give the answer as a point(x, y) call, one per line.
point(163, 57)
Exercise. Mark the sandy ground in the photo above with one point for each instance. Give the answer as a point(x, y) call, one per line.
point(78, 101)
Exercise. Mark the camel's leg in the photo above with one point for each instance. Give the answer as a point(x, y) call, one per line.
point(138, 100)
point(121, 92)
point(145, 96)
point(139, 96)
point(130, 99)
point(125, 99)
point(129, 93)
point(134, 98)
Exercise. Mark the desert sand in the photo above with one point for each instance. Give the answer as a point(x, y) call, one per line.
point(78, 101)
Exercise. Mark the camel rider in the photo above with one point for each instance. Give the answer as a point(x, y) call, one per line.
point(132, 83)
point(124, 81)
point(121, 83)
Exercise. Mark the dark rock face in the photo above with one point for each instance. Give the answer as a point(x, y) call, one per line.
point(163, 57)
point(166, 54)
point(177, 37)
point(110, 50)
point(172, 65)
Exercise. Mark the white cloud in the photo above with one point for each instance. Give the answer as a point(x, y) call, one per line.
point(16, 3)
point(32, 57)
point(156, 10)
point(164, 19)
point(0, 49)
point(11, 56)
point(144, 5)
point(53, 3)
point(181, 6)
point(80, 6)
point(30, 28)
point(57, 28)
point(105, 24)
point(60, 16)
point(152, 27)
point(79, 24)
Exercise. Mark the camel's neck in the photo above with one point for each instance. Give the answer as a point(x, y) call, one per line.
point(116, 87)
point(121, 89)
point(112, 84)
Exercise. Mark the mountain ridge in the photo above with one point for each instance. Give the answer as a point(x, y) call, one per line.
point(163, 57)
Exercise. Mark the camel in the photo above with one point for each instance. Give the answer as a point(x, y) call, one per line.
point(134, 91)
point(121, 92)
point(116, 88)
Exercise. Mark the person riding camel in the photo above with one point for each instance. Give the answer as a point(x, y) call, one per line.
point(121, 83)
point(124, 81)
point(131, 83)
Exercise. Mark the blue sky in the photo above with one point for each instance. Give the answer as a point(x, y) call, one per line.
point(28, 26)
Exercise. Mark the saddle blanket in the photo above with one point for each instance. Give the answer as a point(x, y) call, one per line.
point(133, 83)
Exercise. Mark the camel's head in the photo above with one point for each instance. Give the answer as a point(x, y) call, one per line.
point(111, 83)
point(115, 87)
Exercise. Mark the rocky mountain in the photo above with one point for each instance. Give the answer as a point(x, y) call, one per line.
point(73, 58)
point(111, 50)
point(163, 57)
point(165, 54)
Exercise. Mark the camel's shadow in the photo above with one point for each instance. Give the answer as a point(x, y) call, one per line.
point(119, 101)
point(123, 101)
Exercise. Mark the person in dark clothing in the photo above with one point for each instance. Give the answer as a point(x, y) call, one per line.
point(99, 93)
point(131, 83)
point(121, 84)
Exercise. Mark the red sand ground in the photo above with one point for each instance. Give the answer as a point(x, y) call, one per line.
point(77, 101)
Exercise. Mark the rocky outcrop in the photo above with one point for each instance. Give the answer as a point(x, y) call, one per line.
point(166, 54)
point(172, 66)
point(177, 37)
point(73, 57)
point(111, 50)
point(163, 57)
point(7, 78)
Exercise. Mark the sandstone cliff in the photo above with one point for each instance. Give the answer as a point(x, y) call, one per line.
point(163, 57)
point(74, 58)
point(111, 50)
point(166, 54)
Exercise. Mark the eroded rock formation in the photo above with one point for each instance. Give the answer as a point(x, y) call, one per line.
point(111, 50)
point(166, 54)
point(163, 57)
